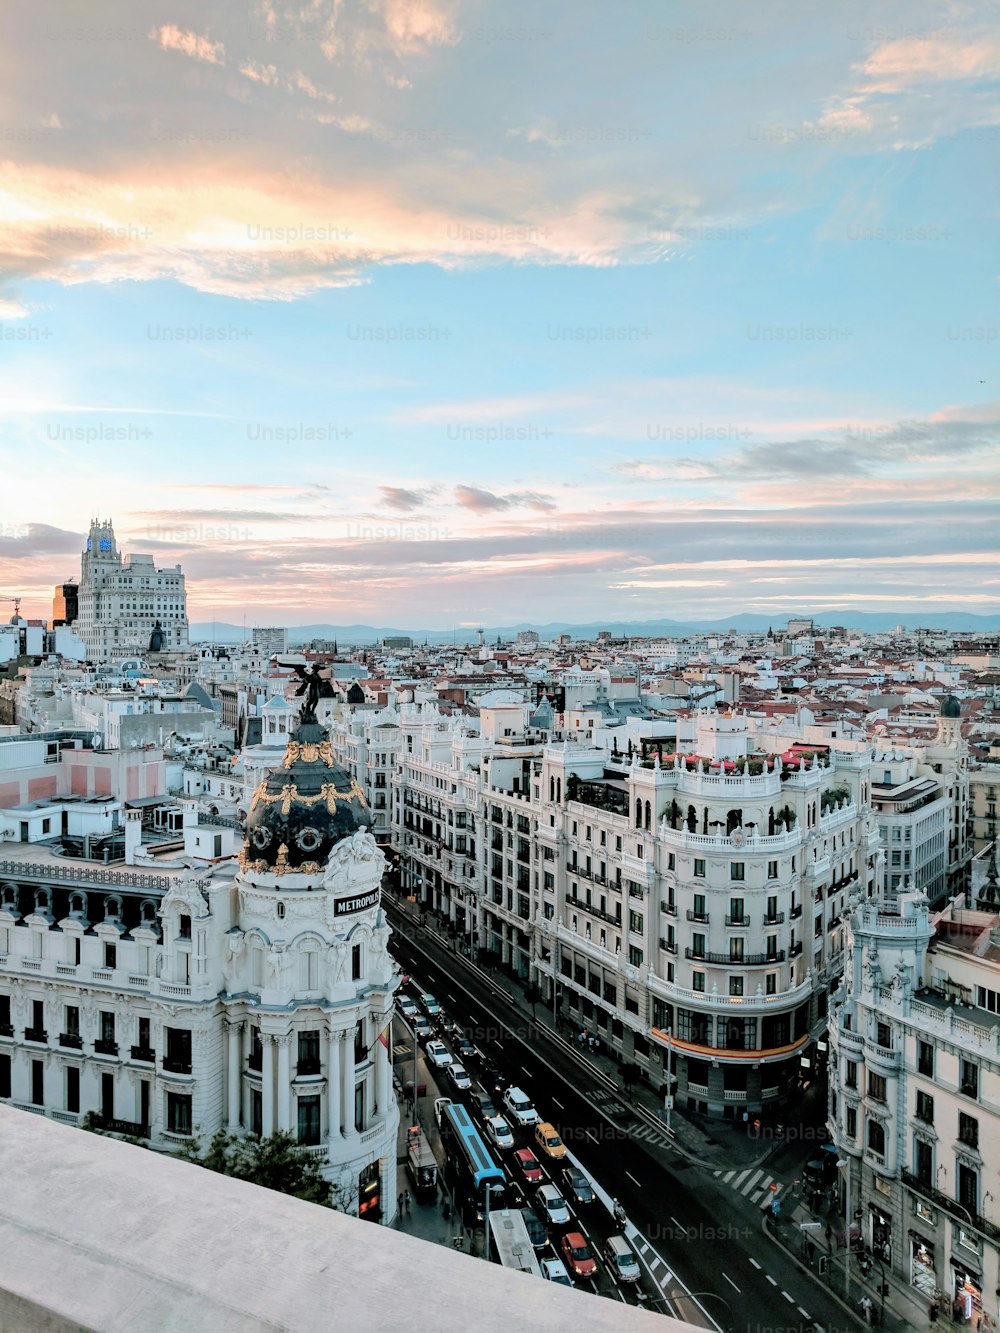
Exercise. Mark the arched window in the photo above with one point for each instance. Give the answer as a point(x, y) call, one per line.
point(42, 900)
point(647, 821)
point(692, 819)
point(638, 814)
point(876, 1137)
point(112, 908)
point(147, 912)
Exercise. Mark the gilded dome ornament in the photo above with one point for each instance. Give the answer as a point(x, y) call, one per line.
point(301, 811)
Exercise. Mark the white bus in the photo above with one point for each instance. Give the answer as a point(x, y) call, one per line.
point(510, 1244)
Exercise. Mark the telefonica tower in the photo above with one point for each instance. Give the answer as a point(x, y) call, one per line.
point(126, 604)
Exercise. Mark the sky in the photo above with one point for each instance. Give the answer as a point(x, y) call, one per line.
point(453, 312)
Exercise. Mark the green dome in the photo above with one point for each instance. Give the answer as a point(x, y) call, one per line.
point(950, 707)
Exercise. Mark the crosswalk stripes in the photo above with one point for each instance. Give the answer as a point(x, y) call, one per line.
point(751, 1184)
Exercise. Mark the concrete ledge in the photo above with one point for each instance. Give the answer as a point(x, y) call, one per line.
point(96, 1234)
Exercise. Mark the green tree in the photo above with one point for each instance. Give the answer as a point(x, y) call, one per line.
point(277, 1163)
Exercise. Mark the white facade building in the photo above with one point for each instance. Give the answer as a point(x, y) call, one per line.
point(253, 997)
point(123, 600)
point(915, 1096)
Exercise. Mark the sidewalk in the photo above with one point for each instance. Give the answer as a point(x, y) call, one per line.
point(905, 1309)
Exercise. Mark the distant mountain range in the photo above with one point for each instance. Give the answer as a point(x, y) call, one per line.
point(872, 622)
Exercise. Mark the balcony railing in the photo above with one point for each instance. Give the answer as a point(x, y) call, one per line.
point(776, 920)
point(6, 1029)
point(311, 1066)
point(795, 913)
point(133, 1128)
point(701, 917)
point(726, 960)
point(144, 1053)
point(35, 1034)
point(795, 950)
point(950, 1206)
point(741, 920)
point(104, 1046)
point(177, 1064)
point(594, 911)
point(71, 1039)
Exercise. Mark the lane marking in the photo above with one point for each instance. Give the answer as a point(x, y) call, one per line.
point(804, 1313)
point(789, 1299)
point(755, 1263)
point(751, 1184)
point(557, 1102)
point(731, 1282)
point(682, 1230)
point(633, 1179)
point(741, 1177)
point(773, 1281)
point(727, 1177)
point(591, 1136)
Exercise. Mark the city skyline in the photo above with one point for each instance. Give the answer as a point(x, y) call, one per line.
point(420, 314)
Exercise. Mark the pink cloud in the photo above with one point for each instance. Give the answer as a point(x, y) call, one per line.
point(171, 38)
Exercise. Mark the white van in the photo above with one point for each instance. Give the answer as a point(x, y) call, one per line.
point(621, 1259)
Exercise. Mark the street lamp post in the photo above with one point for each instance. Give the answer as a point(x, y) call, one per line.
point(714, 1296)
point(846, 1162)
point(486, 1220)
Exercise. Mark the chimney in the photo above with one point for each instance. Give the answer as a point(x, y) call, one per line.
point(133, 835)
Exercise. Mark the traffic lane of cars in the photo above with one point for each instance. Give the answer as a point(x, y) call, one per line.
point(701, 1211)
point(571, 1243)
point(577, 1112)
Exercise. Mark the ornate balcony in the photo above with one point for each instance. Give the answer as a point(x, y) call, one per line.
point(146, 1054)
point(71, 1039)
point(103, 1047)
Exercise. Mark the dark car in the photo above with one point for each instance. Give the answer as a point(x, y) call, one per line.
point(576, 1187)
point(537, 1234)
point(493, 1081)
point(483, 1104)
point(466, 1050)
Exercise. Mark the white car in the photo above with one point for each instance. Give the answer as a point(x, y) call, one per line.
point(439, 1104)
point(500, 1132)
point(438, 1054)
point(555, 1271)
point(460, 1078)
point(406, 1007)
point(519, 1104)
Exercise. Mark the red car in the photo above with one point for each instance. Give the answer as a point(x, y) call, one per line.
point(576, 1252)
point(528, 1165)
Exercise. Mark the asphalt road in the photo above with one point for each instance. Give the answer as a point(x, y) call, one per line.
point(687, 1225)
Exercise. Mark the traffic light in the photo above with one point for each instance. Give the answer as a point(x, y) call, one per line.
point(823, 1264)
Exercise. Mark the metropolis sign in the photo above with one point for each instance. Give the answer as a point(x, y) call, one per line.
point(348, 906)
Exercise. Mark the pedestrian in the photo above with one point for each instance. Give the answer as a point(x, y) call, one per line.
point(400, 1204)
point(866, 1308)
point(406, 1200)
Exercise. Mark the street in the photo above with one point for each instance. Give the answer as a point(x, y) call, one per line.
point(686, 1223)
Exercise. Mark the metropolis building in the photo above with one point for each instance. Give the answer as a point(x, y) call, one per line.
point(253, 997)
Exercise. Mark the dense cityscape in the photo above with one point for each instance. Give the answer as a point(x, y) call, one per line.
point(579, 955)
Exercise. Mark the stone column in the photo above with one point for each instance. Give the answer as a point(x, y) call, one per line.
point(333, 1078)
point(234, 1099)
point(284, 1081)
point(267, 1084)
point(347, 1083)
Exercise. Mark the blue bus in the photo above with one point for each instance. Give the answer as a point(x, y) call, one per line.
point(469, 1167)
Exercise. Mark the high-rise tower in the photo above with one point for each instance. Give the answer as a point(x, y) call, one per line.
point(121, 599)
